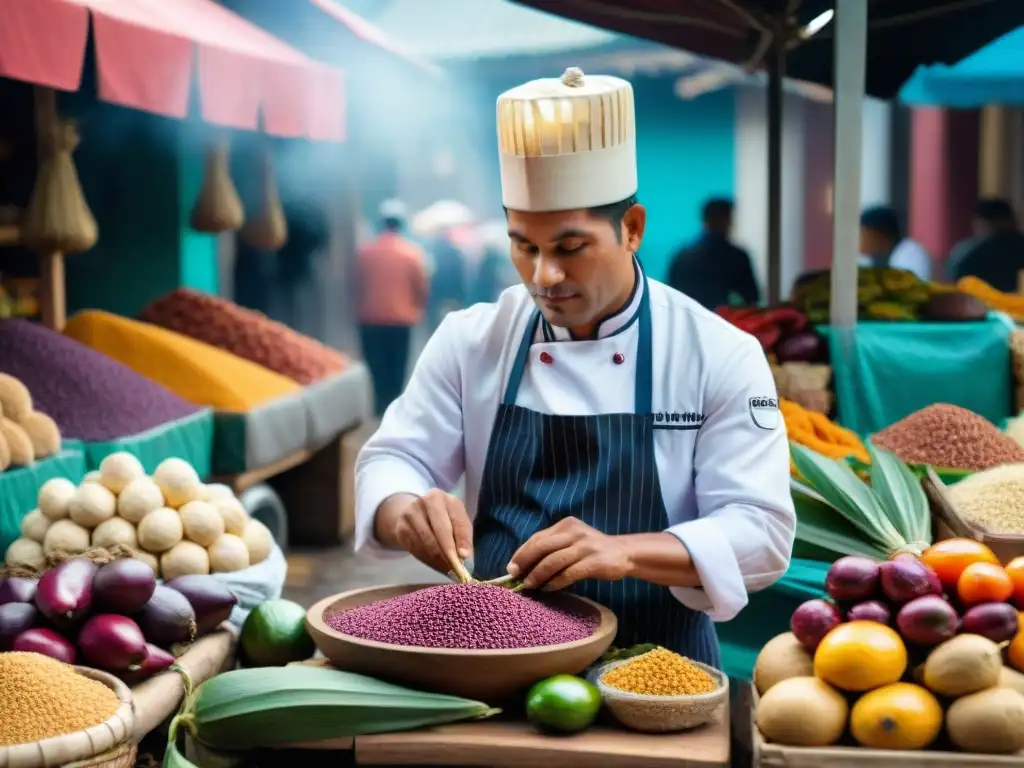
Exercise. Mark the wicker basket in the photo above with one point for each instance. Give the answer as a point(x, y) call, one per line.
point(662, 714)
point(107, 745)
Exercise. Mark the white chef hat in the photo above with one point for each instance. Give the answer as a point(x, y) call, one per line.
point(567, 143)
point(393, 209)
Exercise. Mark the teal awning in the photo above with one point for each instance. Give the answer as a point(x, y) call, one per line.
point(991, 75)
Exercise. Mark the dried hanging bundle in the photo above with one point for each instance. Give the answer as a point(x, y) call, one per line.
point(267, 230)
point(218, 207)
point(58, 219)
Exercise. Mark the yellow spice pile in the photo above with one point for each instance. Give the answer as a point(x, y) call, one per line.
point(660, 673)
point(41, 697)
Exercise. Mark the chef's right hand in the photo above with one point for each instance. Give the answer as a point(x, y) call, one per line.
point(429, 526)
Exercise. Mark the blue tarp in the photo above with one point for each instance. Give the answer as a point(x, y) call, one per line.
point(991, 75)
point(894, 369)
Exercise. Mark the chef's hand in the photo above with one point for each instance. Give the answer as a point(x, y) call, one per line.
point(429, 526)
point(567, 552)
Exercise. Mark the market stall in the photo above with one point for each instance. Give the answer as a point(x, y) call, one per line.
point(914, 341)
point(286, 94)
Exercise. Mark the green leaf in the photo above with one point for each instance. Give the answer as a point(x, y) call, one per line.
point(837, 484)
point(820, 524)
point(249, 708)
point(901, 495)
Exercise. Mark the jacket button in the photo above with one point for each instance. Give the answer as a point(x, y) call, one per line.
point(546, 358)
point(618, 358)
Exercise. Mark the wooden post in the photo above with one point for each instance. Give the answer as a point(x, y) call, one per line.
point(52, 296)
point(52, 289)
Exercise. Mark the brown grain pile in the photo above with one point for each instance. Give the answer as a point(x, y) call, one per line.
point(951, 437)
point(41, 698)
point(246, 334)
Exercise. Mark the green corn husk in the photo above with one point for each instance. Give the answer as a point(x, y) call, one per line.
point(841, 514)
point(249, 708)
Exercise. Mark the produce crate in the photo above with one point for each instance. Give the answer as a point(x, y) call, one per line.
point(19, 487)
point(949, 523)
point(768, 755)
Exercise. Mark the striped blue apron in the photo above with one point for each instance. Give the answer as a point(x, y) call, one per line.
point(541, 468)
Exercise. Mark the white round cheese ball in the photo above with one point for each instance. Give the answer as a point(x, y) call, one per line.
point(54, 496)
point(119, 469)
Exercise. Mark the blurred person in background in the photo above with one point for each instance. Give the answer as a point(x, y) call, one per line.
point(883, 244)
point(448, 283)
point(392, 290)
point(996, 252)
point(712, 270)
point(494, 272)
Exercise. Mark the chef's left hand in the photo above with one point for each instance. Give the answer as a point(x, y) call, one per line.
point(567, 552)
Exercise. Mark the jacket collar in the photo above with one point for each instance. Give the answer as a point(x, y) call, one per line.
point(610, 325)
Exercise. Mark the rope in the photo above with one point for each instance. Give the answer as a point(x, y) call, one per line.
point(98, 555)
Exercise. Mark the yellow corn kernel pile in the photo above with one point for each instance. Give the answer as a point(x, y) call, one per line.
point(660, 673)
point(41, 697)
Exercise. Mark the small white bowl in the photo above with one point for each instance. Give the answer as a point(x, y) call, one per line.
point(662, 714)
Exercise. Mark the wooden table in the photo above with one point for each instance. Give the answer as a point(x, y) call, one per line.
point(159, 697)
point(505, 744)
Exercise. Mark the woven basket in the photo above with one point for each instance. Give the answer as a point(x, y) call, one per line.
point(107, 745)
point(123, 756)
point(662, 714)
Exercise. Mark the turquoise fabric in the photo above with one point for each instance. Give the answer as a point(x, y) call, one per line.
point(190, 439)
point(885, 371)
point(767, 615)
point(19, 488)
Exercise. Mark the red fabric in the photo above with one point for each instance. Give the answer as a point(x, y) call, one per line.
point(146, 51)
point(368, 33)
point(43, 42)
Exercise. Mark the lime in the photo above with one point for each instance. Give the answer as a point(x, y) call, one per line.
point(563, 704)
point(274, 634)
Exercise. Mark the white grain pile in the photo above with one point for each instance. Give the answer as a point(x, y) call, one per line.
point(993, 499)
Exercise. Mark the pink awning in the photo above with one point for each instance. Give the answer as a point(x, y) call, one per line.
point(369, 33)
point(146, 51)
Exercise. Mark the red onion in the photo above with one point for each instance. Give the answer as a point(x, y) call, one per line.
point(112, 642)
point(46, 642)
point(124, 585)
point(65, 592)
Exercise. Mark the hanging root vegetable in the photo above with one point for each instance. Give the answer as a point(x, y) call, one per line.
point(218, 207)
point(58, 219)
point(267, 230)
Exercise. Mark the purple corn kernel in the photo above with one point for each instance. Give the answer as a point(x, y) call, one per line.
point(477, 617)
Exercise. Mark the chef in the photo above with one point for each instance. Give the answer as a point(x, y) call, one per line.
point(616, 439)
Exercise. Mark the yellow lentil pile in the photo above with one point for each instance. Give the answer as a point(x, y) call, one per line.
point(41, 698)
point(660, 673)
point(992, 499)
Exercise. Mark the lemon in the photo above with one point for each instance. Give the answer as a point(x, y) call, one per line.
point(563, 704)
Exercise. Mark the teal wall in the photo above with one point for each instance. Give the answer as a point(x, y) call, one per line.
point(685, 154)
point(140, 174)
point(198, 255)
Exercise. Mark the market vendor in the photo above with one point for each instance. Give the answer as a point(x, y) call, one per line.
point(616, 438)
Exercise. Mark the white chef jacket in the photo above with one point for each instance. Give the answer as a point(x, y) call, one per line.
point(908, 254)
point(725, 486)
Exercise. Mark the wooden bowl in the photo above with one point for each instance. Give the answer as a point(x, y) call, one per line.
point(96, 746)
point(486, 675)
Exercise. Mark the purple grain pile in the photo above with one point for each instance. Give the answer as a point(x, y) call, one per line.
point(463, 616)
point(91, 396)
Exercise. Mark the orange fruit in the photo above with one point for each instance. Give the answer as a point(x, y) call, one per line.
point(984, 583)
point(949, 558)
point(1015, 651)
point(1015, 568)
point(860, 656)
